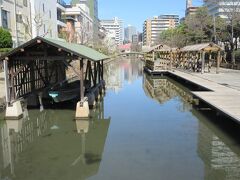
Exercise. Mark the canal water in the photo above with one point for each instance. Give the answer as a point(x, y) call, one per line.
point(144, 128)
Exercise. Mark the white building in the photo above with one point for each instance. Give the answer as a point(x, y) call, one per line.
point(83, 22)
point(26, 19)
point(15, 16)
point(223, 7)
point(115, 28)
point(46, 17)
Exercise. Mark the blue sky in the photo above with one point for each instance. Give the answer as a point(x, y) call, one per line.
point(135, 12)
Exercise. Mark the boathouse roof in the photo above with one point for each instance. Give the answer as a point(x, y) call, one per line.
point(71, 48)
point(202, 47)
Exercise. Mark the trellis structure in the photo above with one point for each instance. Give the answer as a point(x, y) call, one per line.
point(42, 62)
point(194, 57)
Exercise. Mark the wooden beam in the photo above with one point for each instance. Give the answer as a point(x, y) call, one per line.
point(41, 58)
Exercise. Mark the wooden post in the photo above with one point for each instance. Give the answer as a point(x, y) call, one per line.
point(203, 61)
point(5, 65)
point(218, 62)
point(153, 56)
point(171, 59)
point(81, 81)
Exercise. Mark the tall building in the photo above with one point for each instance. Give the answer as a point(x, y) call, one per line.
point(46, 17)
point(83, 23)
point(190, 9)
point(15, 16)
point(129, 32)
point(152, 28)
point(115, 27)
point(222, 8)
point(93, 13)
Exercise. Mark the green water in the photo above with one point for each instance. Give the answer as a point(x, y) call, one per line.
point(144, 128)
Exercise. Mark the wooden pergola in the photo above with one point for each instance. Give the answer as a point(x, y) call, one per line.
point(193, 57)
point(42, 62)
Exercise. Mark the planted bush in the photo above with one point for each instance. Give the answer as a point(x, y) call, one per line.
point(5, 39)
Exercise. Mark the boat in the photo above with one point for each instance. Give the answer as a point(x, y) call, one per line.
point(70, 90)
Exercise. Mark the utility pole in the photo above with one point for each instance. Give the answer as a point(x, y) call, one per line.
point(214, 29)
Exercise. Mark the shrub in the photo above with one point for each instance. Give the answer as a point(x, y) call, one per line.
point(237, 55)
point(5, 39)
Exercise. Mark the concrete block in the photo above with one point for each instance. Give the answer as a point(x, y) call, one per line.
point(14, 111)
point(82, 111)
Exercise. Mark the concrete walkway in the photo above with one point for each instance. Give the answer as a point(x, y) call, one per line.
point(225, 98)
point(226, 77)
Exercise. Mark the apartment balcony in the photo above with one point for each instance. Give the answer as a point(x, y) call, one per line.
point(61, 5)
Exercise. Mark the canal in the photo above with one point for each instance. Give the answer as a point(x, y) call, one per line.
point(144, 128)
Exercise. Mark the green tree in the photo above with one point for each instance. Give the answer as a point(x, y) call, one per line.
point(5, 39)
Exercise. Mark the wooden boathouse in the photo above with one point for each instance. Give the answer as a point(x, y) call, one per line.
point(42, 62)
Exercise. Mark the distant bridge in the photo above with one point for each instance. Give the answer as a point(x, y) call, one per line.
point(131, 53)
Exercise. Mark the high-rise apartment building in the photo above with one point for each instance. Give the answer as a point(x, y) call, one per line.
point(129, 32)
point(222, 7)
point(190, 9)
point(152, 28)
point(83, 23)
point(115, 27)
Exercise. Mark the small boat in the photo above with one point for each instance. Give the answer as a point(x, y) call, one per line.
point(65, 91)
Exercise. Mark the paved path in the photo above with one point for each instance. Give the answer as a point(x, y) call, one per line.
point(226, 98)
point(226, 77)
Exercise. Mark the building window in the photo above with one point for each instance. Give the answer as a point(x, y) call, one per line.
point(50, 14)
point(5, 18)
point(19, 18)
point(25, 3)
point(43, 7)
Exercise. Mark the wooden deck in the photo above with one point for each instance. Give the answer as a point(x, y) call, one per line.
point(223, 98)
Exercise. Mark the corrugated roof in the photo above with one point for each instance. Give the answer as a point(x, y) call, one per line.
point(75, 49)
point(201, 47)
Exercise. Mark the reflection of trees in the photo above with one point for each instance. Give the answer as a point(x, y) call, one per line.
point(115, 72)
point(164, 89)
point(221, 160)
point(49, 145)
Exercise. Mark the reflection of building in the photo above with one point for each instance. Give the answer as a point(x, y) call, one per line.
point(152, 28)
point(220, 161)
point(118, 71)
point(49, 143)
point(163, 89)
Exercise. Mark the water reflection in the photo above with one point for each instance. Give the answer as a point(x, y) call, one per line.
point(164, 89)
point(49, 145)
point(115, 73)
point(219, 152)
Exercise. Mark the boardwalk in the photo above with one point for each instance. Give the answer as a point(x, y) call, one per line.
point(225, 98)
